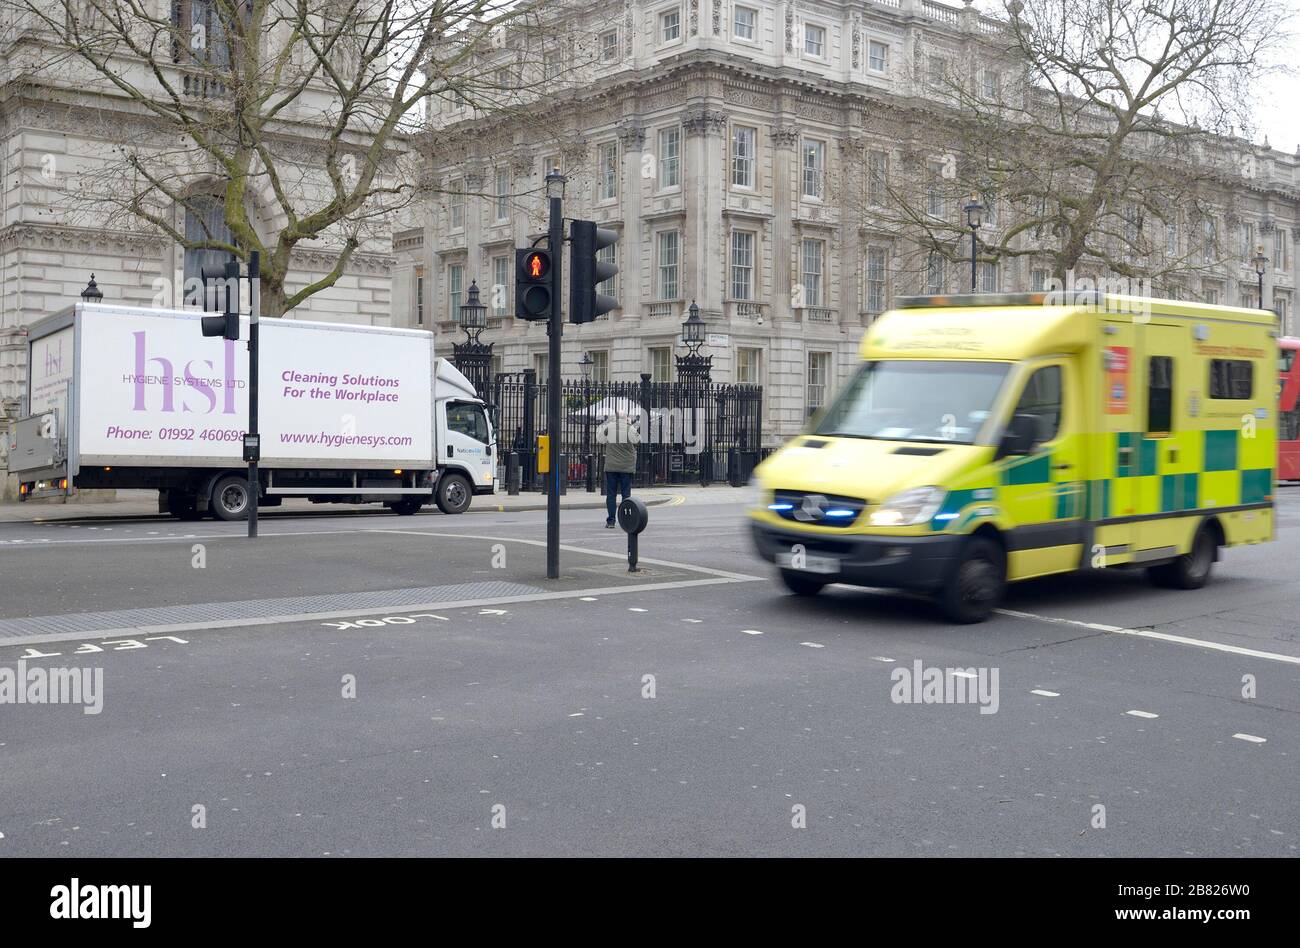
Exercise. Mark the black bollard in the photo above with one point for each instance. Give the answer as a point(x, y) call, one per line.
point(512, 473)
point(632, 517)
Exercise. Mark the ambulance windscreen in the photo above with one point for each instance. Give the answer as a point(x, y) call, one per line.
point(915, 400)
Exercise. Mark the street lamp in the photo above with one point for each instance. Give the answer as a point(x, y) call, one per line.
point(92, 293)
point(1261, 265)
point(694, 367)
point(472, 357)
point(974, 220)
point(555, 184)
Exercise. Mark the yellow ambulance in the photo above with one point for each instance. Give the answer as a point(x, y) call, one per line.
point(990, 438)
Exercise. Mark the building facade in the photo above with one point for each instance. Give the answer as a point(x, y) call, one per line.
point(714, 136)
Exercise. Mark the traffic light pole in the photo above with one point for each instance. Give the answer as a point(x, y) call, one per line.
point(553, 401)
point(255, 300)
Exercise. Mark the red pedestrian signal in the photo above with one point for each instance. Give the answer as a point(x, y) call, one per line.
point(532, 284)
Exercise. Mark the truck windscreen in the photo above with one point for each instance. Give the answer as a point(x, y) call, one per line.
point(915, 400)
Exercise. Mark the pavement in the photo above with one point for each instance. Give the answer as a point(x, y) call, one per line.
point(144, 503)
point(381, 685)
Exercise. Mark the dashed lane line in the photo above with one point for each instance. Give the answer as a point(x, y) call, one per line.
point(1159, 636)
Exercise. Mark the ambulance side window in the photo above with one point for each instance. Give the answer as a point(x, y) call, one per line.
point(1042, 397)
point(1160, 395)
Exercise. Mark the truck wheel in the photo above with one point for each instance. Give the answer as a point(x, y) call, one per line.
point(975, 586)
point(801, 584)
point(407, 506)
point(454, 494)
point(230, 498)
point(1189, 571)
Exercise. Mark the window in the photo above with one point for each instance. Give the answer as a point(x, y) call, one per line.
point(878, 178)
point(812, 262)
point(608, 287)
point(501, 205)
point(468, 419)
point(1160, 395)
point(814, 168)
point(814, 40)
point(876, 286)
point(742, 265)
point(992, 84)
point(500, 285)
point(541, 363)
point(661, 364)
point(1209, 245)
point(878, 56)
point(608, 171)
point(1279, 248)
point(748, 365)
point(668, 265)
point(670, 26)
point(936, 274)
point(745, 25)
point(1171, 239)
point(419, 296)
point(936, 201)
point(609, 46)
point(1211, 294)
point(819, 374)
point(455, 290)
point(1042, 398)
point(988, 277)
point(742, 156)
point(1231, 378)
point(599, 365)
point(1038, 280)
point(207, 43)
point(205, 220)
point(1246, 244)
point(670, 157)
point(937, 69)
point(456, 205)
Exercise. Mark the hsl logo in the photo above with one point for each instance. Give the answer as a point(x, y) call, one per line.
point(194, 378)
point(53, 359)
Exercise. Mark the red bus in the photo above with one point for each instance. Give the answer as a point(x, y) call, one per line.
point(1288, 410)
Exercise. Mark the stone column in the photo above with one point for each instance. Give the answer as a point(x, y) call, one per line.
point(785, 195)
point(704, 250)
point(636, 188)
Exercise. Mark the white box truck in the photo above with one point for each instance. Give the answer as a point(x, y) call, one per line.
point(135, 397)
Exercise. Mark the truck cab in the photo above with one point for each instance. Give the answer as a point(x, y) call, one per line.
point(987, 439)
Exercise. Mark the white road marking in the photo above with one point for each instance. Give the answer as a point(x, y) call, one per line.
point(962, 674)
point(1142, 714)
point(492, 612)
point(588, 598)
point(755, 632)
point(1161, 636)
point(1045, 693)
point(1251, 738)
point(813, 644)
point(576, 714)
point(636, 609)
point(696, 621)
point(881, 658)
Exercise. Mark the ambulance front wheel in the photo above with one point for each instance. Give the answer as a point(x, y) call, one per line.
point(976, 583)
point(801, 584)
point(1192, 569)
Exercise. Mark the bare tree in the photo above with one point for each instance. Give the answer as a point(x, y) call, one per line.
point(1099, 131)
point(279, 125)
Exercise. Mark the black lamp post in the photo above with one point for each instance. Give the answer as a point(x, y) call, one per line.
point(585, 365)
point(1261, 265)
point(694, 367)
point(92, 293)
point(472, 357)
point(974, 219)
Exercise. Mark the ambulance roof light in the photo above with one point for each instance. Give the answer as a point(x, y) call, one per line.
point(1045, 298)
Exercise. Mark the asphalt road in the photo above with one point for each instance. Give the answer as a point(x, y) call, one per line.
point(692, 709)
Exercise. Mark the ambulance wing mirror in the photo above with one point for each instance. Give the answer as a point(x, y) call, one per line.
point(1020, 436)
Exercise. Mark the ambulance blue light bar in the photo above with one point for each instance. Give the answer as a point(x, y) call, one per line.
point(1045, 298)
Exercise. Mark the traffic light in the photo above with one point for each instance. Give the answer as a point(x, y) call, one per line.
point(532, 284)
point(586, 271)
point(227, 324)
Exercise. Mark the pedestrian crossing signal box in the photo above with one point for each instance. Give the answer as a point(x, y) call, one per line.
point(543, 454)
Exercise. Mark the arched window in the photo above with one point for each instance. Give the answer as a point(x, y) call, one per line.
point(205, 219)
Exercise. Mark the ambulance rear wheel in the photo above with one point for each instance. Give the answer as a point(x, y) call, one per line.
point(976, 584)
point(801, 584)
point(1192, 569)
point(454, 494)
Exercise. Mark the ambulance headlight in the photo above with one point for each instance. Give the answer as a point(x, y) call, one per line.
point(909, 507)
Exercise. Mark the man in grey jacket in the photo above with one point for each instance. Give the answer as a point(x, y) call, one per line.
point(620, 465)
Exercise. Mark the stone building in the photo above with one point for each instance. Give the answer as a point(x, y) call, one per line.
point(61, 128)
point(709, 134)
